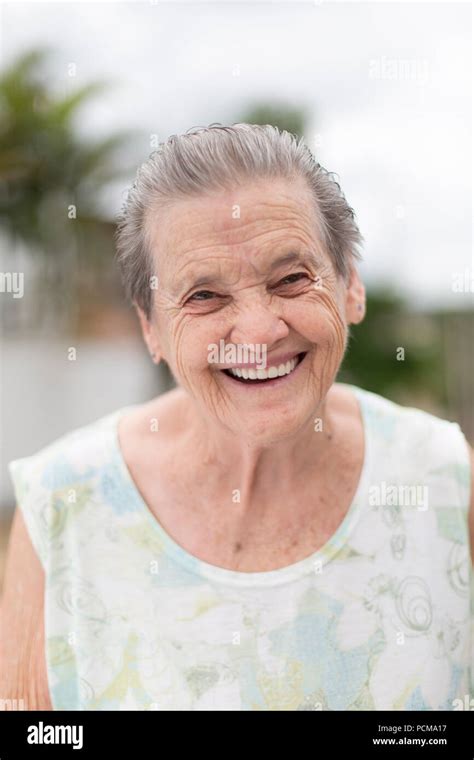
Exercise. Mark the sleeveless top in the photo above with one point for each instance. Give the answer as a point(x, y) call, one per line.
point(380, 617)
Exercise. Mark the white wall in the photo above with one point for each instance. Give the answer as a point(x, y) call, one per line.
point(44, 395)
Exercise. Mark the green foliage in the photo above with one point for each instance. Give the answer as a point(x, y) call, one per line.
point(281, 116)
point(45, 166)
point(371, 357)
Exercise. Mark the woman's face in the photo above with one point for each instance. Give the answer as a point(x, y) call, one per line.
point(247, 268)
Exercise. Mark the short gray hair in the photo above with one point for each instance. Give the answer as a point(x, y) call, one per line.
point(218, 157)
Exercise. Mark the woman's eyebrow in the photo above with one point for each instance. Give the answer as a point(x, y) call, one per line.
point(205, 279)
point(303, 257)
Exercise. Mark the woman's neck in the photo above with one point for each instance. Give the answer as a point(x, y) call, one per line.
point(256, 471)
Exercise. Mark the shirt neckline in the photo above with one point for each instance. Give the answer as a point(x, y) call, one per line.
point(314, 563)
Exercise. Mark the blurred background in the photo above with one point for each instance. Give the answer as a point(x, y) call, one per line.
point(381, 92)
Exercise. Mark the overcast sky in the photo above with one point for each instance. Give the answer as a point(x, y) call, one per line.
point(387, 88)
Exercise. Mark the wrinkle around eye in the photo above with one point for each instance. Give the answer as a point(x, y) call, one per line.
point(297, 287)
point(205, 305)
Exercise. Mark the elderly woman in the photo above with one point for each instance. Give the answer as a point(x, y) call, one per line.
point(260, 537)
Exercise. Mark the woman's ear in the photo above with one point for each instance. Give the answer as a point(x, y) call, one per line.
point(150, 335)
point(355, 298)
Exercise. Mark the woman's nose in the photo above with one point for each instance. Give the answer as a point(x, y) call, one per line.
point(258, 323)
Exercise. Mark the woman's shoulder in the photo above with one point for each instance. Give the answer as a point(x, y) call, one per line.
point(60, 475)
point(408, 439)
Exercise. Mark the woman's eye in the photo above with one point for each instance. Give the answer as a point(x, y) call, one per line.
point(201, 295)
point(292, 278)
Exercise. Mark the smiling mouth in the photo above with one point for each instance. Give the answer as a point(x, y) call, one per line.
point(262, 376)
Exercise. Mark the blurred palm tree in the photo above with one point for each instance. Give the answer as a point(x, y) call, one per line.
point(50, 178)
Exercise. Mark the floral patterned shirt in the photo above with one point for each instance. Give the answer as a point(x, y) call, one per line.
point(380, 617)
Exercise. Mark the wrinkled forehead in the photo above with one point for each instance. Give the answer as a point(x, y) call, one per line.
point(255, 223)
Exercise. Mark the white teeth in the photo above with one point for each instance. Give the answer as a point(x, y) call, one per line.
point(266, 374)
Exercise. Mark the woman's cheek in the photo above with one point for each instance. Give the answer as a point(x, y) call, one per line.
point(179, 348)
point(317, 317)
point(191, 343)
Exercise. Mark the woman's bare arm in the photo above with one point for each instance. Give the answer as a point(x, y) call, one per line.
point(23, 673)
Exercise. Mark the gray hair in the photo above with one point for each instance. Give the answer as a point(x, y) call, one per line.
point(218, 157)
